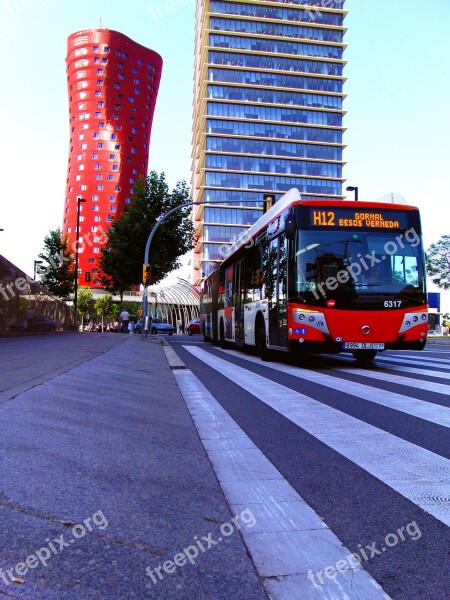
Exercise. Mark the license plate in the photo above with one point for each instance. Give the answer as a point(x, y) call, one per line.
point(363, 346)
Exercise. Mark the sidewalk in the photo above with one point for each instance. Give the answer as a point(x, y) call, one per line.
point(104, 480)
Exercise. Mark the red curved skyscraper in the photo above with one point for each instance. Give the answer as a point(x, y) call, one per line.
point(112, 85)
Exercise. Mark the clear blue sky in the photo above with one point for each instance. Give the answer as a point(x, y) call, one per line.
point(398, 87)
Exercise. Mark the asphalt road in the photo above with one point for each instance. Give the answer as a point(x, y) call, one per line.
point(340, 474)
point(366, 448)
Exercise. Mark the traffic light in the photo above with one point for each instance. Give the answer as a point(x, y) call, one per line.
point(269, 200)
point(146, 274)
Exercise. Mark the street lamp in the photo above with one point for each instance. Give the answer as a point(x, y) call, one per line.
point(36, 262)
point(75, 298)
point(352, 188)
point(149, 241)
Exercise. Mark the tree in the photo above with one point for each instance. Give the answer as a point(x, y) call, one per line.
point(438, 262)
point(104, 307)
point(85, 304)
point(122, 257)
point(58, 275)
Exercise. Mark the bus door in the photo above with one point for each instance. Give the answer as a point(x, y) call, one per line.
point(277, 291)
point(238, 301)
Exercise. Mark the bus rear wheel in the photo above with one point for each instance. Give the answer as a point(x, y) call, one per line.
point(364, 356)
point(261, 343)
point(222, 342)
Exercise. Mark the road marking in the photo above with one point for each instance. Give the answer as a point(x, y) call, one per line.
point(434, 413)
point(430, 386)
point(386, 364)
point(289, 540)
point(414, 472)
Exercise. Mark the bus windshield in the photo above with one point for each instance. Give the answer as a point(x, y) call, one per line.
point(354, 266)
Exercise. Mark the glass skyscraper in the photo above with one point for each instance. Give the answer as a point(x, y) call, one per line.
point(268, 93)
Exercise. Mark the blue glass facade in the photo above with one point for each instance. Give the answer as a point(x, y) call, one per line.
point(268, 112)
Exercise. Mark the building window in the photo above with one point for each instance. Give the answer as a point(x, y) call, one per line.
point(112, 208)
point(84, 187)
point(99, 186)
point(97, 218)
point(92, 260)
point(95, 207)
point(100, 144)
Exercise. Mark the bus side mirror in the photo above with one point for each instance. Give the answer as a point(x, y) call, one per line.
point(290, 226)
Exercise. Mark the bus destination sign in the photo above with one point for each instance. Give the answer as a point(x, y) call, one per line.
point(347, 218)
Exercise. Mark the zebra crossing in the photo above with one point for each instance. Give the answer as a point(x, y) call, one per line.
point(294, 541)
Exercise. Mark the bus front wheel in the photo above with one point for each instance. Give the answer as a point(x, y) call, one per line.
point(364, 356)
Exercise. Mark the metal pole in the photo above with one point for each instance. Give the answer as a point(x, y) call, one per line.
point(150, 238)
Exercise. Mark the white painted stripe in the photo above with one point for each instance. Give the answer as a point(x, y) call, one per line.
point(288, 541)
point(429, 386)
point(386, 364)
point(434, 413)
point(427, 362)
point(417, 358)
point(418, 474)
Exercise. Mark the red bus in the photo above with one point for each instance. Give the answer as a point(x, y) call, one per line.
point(321, 276)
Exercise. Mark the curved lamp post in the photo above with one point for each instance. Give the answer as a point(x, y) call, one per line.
point(149, 241)
point(352, 188)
